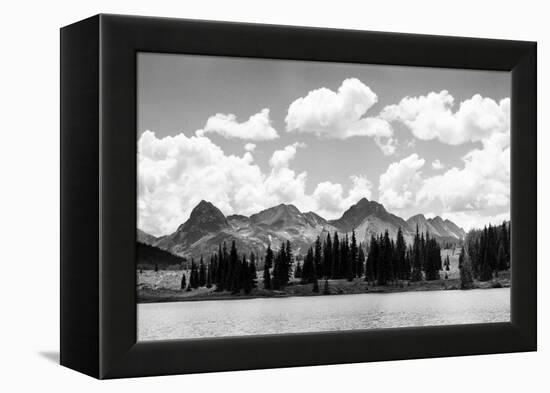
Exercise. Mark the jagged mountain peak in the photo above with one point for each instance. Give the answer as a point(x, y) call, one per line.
point(315, 215)
point(204, 206)
point(357, 213)
point(207, 227)
point(279, 216)
point(436, 226)
point(285, 206)
point(205, 216)
point(417, 217)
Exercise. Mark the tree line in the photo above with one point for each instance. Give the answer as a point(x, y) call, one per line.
point(383, 261)
point(225, 269)
point(486, 252)
point(387, 260)
point(390, 261)
point(335, 257)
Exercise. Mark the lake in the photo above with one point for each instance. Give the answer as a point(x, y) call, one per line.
point(216, 318)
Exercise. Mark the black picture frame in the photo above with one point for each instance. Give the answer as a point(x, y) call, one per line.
point(98, 196)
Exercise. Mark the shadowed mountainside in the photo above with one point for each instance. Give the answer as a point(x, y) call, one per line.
point(207, 228)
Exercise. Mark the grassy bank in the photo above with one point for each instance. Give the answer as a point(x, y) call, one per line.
point(167, 289)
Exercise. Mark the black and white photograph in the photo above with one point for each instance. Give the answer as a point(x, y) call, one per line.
point(265, 196)
point(279, 196)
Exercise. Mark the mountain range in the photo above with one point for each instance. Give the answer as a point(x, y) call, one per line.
point(207, 228)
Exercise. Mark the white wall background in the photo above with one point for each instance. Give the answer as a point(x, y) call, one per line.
point(29, 193)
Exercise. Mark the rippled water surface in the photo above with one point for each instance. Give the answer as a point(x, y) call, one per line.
point(215, 318)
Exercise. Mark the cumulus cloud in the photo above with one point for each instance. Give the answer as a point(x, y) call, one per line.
point(483, 184)
point(432, 117)
point(475, 194)
point(250, 147)
point(257, 127)
point(361, 188)
point(175, 173)
point(399, 184)
point(281, 158)
point(329, 199)
point(437, 165)
point(339, 115)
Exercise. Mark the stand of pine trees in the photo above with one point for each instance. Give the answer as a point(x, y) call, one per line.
point(465, 266)
point(226, 270)
point(489, 251)
point(387, 261)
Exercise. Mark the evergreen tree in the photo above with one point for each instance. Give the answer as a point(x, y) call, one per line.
point(505, 241)
point(466, 275)
point(447, 263)
point(209, 278)
point(244, 276)
point(317, 257)
point(228, 268)
point(282, 266)
point(360, 262)
point(308, 270)
point(417, 258)
point(335, 267)
point(484, 250)
point(269, 257)
point(408, 261)
point(315, 281)
point(422, 251)
point(432, 258)
point(252, 275)
point(327, 257)
point(461, 257)
point(212, 268)
point(194, 275)
point(211, 271)
point(298, 271)
point(233, 276)
point(253, 267)
point(267, 275)
point(384, 260)
point(485, 257)
point(202, 273)
point(372, 260)
point(354, 257)
point(247, 272)
point(501, 258)
point(220, 270)
point(493, 247)
point(288, 262)
point(403, 270)
point(346, 263)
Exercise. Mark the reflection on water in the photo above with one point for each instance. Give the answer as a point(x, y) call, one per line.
point(162, 321)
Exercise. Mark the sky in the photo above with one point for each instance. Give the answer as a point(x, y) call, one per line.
point(248, 134)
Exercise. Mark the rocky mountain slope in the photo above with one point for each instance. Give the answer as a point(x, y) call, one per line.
point(207, 228)
point(444, 230)
point(145, 238)
point(371, 218)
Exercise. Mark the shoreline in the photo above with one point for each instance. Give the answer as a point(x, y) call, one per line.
point(337, 287)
